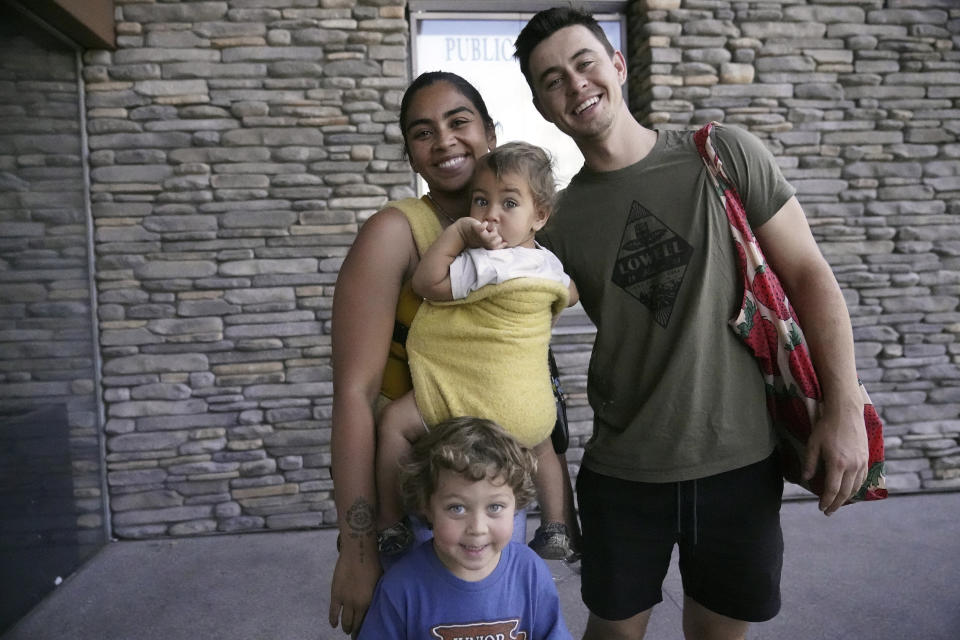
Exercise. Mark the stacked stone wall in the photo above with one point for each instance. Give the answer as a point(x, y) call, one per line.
point(237, 145)
point(235, 148)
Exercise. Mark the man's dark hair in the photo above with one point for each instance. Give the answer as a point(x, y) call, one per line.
point(545, 24)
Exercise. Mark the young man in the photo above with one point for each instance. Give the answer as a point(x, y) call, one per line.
point(682, 446)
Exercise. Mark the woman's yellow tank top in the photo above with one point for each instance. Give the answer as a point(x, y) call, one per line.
point(426, 228)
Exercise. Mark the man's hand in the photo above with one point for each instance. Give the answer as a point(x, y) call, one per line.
point(839, 440)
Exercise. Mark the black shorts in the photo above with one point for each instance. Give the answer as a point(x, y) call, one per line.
point(727, 527)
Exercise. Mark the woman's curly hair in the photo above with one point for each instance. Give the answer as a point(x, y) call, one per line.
point(476, 449)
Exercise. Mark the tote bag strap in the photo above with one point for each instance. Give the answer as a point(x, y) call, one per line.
point(766, 321)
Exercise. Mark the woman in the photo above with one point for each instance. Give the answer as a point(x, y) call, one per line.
point(446, 128)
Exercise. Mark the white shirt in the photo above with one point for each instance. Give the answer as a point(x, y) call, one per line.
point(475, 268)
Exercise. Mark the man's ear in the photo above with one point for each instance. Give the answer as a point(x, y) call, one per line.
point(620, 64)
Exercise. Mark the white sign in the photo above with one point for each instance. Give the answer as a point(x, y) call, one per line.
point(482, 52)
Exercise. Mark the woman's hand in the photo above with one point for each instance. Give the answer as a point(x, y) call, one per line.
point(354, 579)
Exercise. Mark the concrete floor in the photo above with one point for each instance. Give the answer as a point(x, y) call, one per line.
point(886, 570)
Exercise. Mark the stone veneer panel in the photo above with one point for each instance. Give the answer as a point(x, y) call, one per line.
point(235, 149)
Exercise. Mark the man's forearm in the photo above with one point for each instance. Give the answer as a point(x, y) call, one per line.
point(823, 315)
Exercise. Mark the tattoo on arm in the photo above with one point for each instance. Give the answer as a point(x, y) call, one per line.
point(360, 520)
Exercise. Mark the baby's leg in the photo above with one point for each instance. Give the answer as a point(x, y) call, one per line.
point(558, 532)
point(399, 427)
point(549, 481)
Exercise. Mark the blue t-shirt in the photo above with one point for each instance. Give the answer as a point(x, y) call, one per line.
point(418, 599)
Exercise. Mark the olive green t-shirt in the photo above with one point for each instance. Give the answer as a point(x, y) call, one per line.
point(675, 394)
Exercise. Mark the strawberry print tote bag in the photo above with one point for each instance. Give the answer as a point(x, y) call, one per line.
point(768, 326)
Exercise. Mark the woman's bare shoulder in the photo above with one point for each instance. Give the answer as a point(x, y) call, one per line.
point(390, 219)
point(386, 238)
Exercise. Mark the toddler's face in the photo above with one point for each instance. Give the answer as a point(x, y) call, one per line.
point(507, 203)
point(472, 523)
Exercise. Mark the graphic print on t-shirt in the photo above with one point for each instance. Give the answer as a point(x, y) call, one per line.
point(502, 630)
point(651, 262)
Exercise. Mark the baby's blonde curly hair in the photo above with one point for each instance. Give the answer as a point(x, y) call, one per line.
point(476, 449)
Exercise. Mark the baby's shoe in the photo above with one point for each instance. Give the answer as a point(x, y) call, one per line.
point(551, 541)
point(395, 539)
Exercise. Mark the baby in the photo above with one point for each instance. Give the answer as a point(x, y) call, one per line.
point(478, 345)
